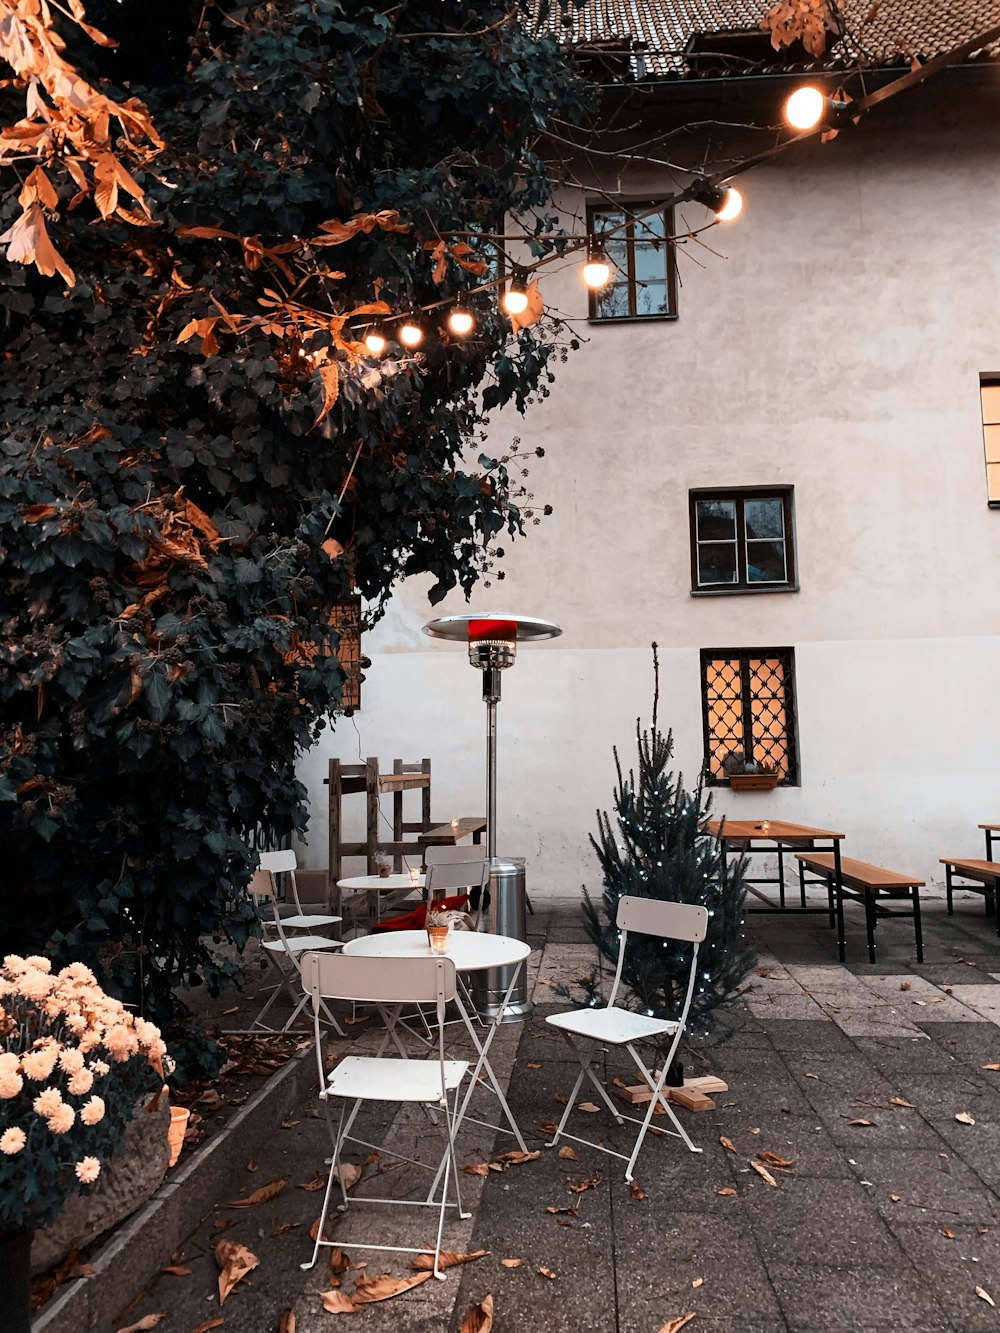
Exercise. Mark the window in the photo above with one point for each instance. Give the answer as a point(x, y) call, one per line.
point(346, 620)
point(748, 709)
point(989, 393)
point(643, 274)
point(742, 540)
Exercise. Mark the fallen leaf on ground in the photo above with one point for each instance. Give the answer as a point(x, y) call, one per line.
point(251, 1165)
point(637, 1192)
point(547, 1272)
point(568, 1154)
point(991, 1066)
point(151, 1320)
point(339, 1262)
point(235, 1261)
point(901, 1101)
point(755, 1129)
point(289, 1124)
point(368, 1290)
point(286, 1321)
point(479, 1318)
point(561, 1208)
point(533, 1064)
point(728, 1144)
point(905, 985)
point(726, 1189)
point(177, 1270)
point(772, 1159)
point(812, 1075)
point(208, 1325)
point(589, 1107)
point(863, 1122)
point(264, 1195)
point(698, 1282)
point(348, 1173)
point(985, 1296)
point(286, 1226)
point(560, 1099)
point(583, 1185)
point(317, 1182)
point(947, 1233)
point(314, 1229)
point(964, 1118)
point(512, 1263)
point(517, 1158)
point(675, 1325)
point(895, 1197)
point(449, 1259)
point(764, 1174)
point(548, 1126)
point(477, 1169)
point(336, 1302)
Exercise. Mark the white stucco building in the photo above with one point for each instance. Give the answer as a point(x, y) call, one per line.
point(834, 359)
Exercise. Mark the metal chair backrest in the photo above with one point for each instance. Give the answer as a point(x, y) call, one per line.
point(671, 921)
point(278, 862)
point(666, 920)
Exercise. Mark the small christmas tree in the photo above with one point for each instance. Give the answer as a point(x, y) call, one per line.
point(659, 850)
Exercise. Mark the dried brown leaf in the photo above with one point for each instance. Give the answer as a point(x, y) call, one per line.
point(479, 1318)
point(147, 1322)
point(675, 1325)
point(337, 1302)
point(264, 1195)
point(317, 1183)
point(772, 1159)
point(726, 1189)
point(901, 1101)
point(512, 1263)
point(567, 1153)
point(449, 1259)
point(349, 1174)
point(984, 1295)
point(235, 1262)
point(964, 1118)
point(561, 1208)
point(764, 1174)
point(861, 1122)
point(947, 1233)
point(339, 1262)
point(994, 1066)
point(589, 1107)
point(582, 1185)
point(286, 1321)
point(534, 1064)
point(208, 1325)
point(905, 985)
point(176, 1270)
point(477, 1169)
point(517, 1158)
point(728, 1144)
point(698, 1282)
point(637, 1192)
point(547, 1272)
point(368, 1290)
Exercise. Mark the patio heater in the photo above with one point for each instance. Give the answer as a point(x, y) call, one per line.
point(492, 640)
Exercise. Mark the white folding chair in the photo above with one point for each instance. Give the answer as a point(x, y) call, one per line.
point(285, 954)
point(284, 863)
point(614, 1026)
point(442, 879)
point(357, 1079)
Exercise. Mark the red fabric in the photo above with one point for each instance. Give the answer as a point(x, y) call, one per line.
point(414, 920)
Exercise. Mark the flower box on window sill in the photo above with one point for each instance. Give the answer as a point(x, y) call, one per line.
point(753, 781)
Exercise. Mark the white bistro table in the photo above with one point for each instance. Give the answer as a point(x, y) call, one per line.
point(470, 951)
point(375, 886)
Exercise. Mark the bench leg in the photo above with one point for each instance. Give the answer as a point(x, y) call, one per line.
point(949, 889)
point(871, 921)
point(917, 930)
point(830, 902)
point(781, 878)
point(835, 889)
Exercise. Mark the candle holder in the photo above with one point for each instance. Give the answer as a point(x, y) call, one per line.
point(437, 938)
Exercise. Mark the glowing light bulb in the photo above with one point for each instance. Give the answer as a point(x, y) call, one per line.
point(460, 321)
point(804, 109)
point(375, 342)
point(411, 335)
point(732, 206)
point(515, 300)
point(596, 272)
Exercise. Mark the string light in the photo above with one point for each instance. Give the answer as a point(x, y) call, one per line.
point(515, 298)
point(808, 108)
point(725, 201)
point(375, 342)
point(460, 321)
point(410, 334)
point(596, 272)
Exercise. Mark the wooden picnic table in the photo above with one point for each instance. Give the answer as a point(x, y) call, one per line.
point(740, 836)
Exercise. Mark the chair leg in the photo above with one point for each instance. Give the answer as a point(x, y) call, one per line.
point(656, 1087)
point(334, 1172)
point(569, 1106)
point(949, 889)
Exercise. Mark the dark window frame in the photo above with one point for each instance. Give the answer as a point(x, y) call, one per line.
point(786, 655)
point(633, 207)
point(347, 620)
point(742, 586)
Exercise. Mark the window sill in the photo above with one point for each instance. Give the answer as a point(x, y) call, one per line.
point(631, 319)
point(744, 592)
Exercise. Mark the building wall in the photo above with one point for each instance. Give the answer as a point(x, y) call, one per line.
point(835, 346)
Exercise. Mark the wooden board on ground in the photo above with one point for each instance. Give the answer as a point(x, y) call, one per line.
point(693, 1096)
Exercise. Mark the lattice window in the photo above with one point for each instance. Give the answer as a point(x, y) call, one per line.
point(346, 620)
point(989, 394)
point(748, 701)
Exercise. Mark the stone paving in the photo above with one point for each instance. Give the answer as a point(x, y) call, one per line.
point(889, 1216)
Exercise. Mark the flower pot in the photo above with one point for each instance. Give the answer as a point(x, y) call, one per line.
point(753, 781)
point(179, 1116)
point(15, 1280)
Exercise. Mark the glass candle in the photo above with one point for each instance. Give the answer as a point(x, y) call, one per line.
point(414, 876)
point(437, 937)
point(454, 825)
point(765, 827)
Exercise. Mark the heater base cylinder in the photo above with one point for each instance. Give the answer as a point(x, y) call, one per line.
point(504, 914)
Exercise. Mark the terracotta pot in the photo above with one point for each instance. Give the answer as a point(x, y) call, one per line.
point(179, 1116)
point(753, 781)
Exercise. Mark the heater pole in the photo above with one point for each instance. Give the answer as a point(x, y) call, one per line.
point(491, 694)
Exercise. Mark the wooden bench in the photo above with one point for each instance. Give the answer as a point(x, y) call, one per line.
point(863, 883)
point(987, 877)
point(447, 835)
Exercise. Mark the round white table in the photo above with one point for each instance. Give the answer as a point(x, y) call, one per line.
point(470, 951)
point(376, 885)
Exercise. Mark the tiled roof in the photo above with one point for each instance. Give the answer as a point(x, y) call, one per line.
point(899, 30)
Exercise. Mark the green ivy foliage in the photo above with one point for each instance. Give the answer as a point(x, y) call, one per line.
point(165, 595)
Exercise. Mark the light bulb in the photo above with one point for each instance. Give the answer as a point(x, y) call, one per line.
point(411, 335)
point(804, 109)
point(515, 300)
point(596, 272)
point(460, 321)
point(375, 342)
point(732, 206)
